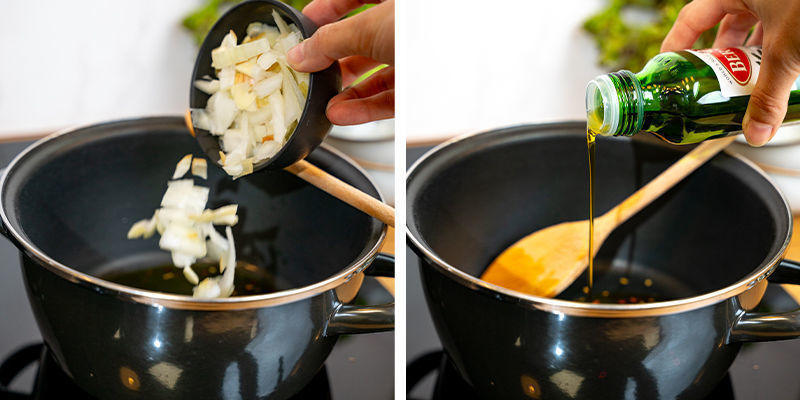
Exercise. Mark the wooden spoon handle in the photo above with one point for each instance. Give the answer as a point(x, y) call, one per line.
point(342, 191)
point(332, 185)
point(667, 179)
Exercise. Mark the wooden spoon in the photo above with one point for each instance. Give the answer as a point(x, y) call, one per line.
point(333, 186)
point(547, 261)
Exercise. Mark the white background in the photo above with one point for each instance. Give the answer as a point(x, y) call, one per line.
point(471, 65)
point(73, 62)
point(476, 65)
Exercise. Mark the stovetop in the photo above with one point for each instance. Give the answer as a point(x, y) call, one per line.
point(450, 385)
point(765, 371)
point(359, 367)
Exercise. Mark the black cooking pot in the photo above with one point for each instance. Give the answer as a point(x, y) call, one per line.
point(702, 251)
point(67, 203)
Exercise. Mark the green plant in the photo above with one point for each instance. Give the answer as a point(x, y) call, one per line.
point(624, 42)
point(200, 21)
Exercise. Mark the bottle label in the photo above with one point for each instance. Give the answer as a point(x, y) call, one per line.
point(736, 68)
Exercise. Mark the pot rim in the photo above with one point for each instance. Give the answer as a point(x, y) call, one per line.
point(574, 308)
point(175, 301)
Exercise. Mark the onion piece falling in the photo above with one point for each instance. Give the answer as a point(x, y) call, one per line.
point(200, 168)
point(187, 230)
point(183, 166)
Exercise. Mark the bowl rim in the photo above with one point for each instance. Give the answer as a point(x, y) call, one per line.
point(573, 308)
point(175, 301)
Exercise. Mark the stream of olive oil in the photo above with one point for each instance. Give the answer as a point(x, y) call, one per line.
point(590, 142)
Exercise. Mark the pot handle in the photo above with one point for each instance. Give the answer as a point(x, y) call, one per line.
point(352, 319)
point(3, 229)
point(762, 327)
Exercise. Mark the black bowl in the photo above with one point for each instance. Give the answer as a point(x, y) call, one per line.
point(313, 125)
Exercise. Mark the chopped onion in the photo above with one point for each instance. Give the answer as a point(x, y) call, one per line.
point(225, 212)
point(268, 86)
point(227, 76)
point(144, 229)
point(200, 168)
point(255, 29)
point(236, 142)
point(218, 240)
point(183, 195)
point(231, 262)
point(183, 239)
point(183, 167)
point(187, 227)
point(208, 289)
point(282, 27)
point(229, 40)
point(257, 98)
point(184, 261)
point(224, 57)
point(200, 119)
point(190, 275)
point(243, 96)
point(272, 33)
point(225, 215)
point(288, 41)
point(292, 107)
point(267, 60)
point(266, 150)
point(222, 111)
point(208, 87)
point(277, 125)
point(220, 286)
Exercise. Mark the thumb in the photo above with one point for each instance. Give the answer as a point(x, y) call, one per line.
point(360, 35)
point(770, 97)
point(329, 43)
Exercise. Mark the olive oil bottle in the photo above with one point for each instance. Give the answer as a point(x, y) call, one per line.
point(682, 97)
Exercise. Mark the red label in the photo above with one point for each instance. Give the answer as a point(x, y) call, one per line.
point(736, 62)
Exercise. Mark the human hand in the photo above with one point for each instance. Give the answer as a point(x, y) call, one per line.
point(775, 30)
point(359, 43)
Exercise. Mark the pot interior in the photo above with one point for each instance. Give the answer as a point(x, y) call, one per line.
point(472, 199)
point(75, 196)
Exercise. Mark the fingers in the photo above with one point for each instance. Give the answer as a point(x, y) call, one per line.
point(324, 12)
point(370, 100)
point(369, 34)
point(757, 37)
point(354, 66)
point(733, 30)
point(378, 82)
point(360, 111)
point(780, 67)
point(360, 43)
point(693, 19)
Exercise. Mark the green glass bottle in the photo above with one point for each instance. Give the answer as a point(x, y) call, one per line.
point(682, 97)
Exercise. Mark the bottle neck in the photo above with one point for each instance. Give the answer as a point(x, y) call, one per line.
point(614, 104)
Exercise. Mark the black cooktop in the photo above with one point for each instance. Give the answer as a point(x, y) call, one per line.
point(52, 383)
point(765, 371)
point(450, 385)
